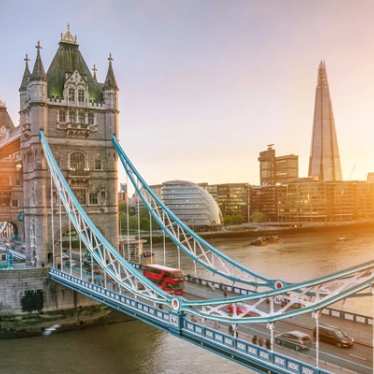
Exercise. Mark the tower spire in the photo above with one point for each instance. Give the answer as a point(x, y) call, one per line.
point(110, 80)
point(324, 162)
point(26, 74)
point(94, 70)
point(38, 73)
point(67, 37)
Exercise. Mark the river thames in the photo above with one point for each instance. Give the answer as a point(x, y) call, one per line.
point(135, 348)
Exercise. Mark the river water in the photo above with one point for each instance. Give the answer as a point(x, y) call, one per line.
point(135, 348)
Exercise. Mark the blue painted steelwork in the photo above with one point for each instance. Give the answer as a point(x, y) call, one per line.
point(84, 225)
point(8, 263)
point(177, 313)
point(260, 280)
point(363, 275)
point(298, 290)
point(331, 312)
point(238, 350)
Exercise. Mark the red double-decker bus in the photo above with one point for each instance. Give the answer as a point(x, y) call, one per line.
point(169, 279)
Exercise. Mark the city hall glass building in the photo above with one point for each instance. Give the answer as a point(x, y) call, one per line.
point(192, 204)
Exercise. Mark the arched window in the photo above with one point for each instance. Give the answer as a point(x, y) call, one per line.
point(81, 95)
point(62, 116)
point(72, 116)
point(93, 198)
point(98, 163)
point(81, 194)
point(77, 161)
point(71, 94)
point(2, 131)
point(82, 117)
point(91, 118)
point(103, 196)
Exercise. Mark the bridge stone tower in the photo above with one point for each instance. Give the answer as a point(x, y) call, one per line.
point(79, 115)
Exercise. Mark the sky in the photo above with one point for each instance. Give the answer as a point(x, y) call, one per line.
point(205, 85)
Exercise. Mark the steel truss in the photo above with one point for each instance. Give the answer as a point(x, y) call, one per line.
point(291, 301)
point(5, 230)
point(259, 307)
point(102, 251)
point(273, 299)
point(186, 240)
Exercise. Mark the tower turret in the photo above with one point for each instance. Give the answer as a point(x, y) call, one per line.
point(110, 88)
point(37, 87)
point(68, 104)
point(94, 70)
point(23, 87)
point(110, 93)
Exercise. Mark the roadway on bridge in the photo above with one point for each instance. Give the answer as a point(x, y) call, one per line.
point(357, 359)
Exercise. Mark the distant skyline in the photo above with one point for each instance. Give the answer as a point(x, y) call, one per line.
point(206, 85)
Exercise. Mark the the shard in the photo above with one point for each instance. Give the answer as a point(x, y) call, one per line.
point(324, 162)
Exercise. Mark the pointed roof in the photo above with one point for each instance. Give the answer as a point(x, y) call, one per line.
point(67, 60)
point(67, 36)
point(322, 74)
point(110, 80)
point(26, 75)
point(5, 120)
point(38, 73)
point(324, 161)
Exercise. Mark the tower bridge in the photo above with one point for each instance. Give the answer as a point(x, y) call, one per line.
point(65, 152)
point(80, 115)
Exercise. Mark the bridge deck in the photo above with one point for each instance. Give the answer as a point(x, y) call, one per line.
point(358, 358)
point(200, 333)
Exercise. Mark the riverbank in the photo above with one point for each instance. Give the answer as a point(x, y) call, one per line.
point(45, 323)
point(287, 228)
point(276, 228)
point(32, 304)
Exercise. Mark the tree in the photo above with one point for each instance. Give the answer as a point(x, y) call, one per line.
point(32, 301)
point(144, 218)
point(258, 217)
point(233, 220)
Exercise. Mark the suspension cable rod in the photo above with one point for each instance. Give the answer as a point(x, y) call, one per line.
point(61, 252)
point(52, 225)
point(70, 254)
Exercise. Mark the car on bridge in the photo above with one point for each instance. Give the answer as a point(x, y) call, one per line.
point(240, 310)
point(297, 340)
point(333, 335)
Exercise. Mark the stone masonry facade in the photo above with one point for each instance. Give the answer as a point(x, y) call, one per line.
point(79, 116)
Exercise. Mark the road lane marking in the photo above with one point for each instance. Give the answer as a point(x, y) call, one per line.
point(359, 357)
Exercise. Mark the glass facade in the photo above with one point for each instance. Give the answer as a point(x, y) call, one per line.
point(277, 169)
point(191, 203)
point(314, 201)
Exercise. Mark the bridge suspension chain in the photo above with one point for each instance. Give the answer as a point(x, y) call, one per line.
point(123, 274)
point(204, 254)
point(259, 307)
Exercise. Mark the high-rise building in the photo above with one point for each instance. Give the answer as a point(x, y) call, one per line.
point(312, 200)
point(122, 194)
point(370, 177)
point(277, 169)
point(324, 162)
point(232, 198)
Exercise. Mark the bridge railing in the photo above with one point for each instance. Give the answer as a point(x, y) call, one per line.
point(210, 335)
point(178, 323)
point(331, 312)
point(348, 316)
